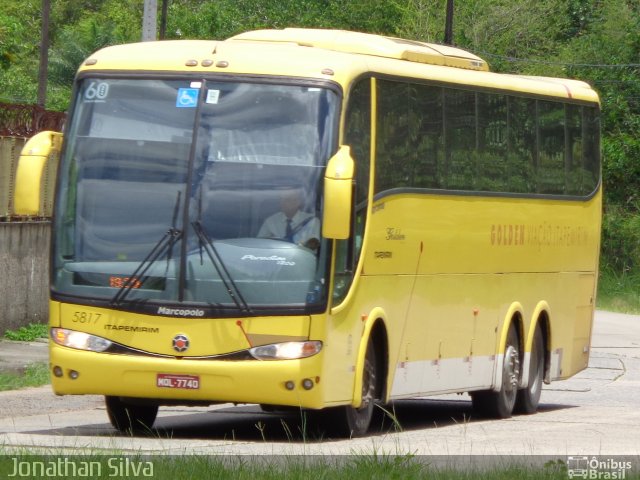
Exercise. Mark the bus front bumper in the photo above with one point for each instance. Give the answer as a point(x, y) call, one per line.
point(274, 382)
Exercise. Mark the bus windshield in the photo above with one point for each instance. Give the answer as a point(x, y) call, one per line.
point(194, 191)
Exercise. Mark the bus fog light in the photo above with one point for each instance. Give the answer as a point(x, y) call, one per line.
point(79, 340)
point(73, 375)
point(307, 384)
point(286, 351)
point(57, 371)
point(289, 385)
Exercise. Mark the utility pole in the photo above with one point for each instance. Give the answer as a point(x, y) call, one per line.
point(44, 54)
point(149, 20)
point(163, 20)
point(448, 27)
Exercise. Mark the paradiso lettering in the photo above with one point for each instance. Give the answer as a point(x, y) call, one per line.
point(273, 258)
point(542, 235)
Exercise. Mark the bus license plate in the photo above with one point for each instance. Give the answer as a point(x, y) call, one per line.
point(188, 382)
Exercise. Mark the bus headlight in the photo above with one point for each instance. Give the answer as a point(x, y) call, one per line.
point(286, 351)
point(79, 340)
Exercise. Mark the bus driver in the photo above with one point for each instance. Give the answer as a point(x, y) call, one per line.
point(291, 223)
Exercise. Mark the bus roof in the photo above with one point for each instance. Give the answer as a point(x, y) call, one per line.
point(369, 44)
point(336, 55)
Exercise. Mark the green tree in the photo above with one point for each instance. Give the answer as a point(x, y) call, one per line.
point(605, 50)
point(19, 25)
point(75, 44)
point(224, 18)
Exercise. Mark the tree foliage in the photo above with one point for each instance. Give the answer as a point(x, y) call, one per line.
point(594, 40)
point(75, 44)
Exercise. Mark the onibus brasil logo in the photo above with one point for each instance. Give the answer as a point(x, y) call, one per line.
point(597, 468)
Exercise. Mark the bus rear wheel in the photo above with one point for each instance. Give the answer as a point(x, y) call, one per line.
point(528, 398)
point(130, 418)
point(500, 404)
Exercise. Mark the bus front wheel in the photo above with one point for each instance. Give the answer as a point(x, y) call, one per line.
point(349, 421)
point(130, 418)
point(500, 404)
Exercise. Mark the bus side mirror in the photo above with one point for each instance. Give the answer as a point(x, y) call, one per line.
point(338, 192)
point(31, 165)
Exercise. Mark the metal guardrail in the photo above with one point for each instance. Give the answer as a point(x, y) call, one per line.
point(26, 120)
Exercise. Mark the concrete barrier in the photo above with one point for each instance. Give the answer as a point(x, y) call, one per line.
point(24, 274)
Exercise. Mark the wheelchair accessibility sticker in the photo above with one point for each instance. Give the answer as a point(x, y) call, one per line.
point(187, 97)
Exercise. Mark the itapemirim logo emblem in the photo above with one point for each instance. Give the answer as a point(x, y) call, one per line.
point(180, 343)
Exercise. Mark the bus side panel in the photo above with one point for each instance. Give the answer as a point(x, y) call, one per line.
point(446, 269)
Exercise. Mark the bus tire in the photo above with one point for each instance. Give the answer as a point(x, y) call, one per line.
point(529, 397)
point(500, 404)
point(353, 422)
point(130, 418)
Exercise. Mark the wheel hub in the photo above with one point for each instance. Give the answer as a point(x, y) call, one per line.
point(511, 368)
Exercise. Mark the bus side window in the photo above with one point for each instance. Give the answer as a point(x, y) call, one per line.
point(358, 136)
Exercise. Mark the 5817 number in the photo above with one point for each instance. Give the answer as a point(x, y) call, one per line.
point(86, 317)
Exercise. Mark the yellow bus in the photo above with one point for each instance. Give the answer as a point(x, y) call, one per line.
point(319, 219)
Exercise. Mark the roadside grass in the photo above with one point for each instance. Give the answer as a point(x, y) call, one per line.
point(29, 333)
point(276, 467)
point(34, 375)
point(353, 467)
point(618, 292)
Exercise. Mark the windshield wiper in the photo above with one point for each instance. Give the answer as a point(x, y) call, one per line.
point(165, 244)
point(218, 264)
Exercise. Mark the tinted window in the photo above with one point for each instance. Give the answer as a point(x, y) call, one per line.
point(455, 139)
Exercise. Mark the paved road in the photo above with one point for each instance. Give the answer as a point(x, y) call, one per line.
point(594, 413)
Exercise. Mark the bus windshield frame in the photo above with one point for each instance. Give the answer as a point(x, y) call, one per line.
point(174, 194)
